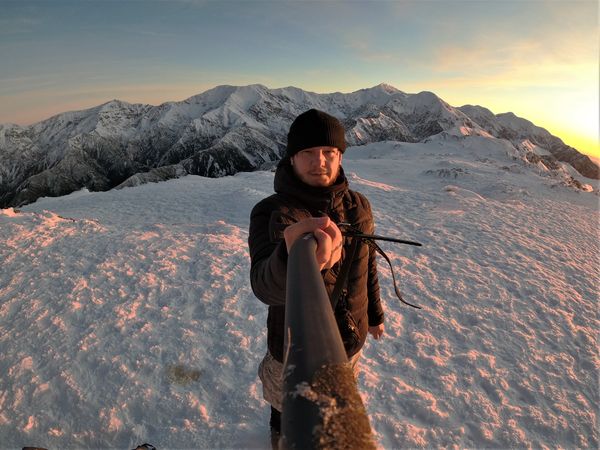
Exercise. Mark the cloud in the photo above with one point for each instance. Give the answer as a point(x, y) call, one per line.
point(19, 25)
point(365, 51)
point(144, 32)
point(539, 58)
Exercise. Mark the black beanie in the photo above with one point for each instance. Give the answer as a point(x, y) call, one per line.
point(315, 128)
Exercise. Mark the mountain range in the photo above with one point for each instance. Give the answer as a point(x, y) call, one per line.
point(229, 129)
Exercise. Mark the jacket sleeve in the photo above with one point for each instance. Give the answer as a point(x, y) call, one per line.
point(268, 259)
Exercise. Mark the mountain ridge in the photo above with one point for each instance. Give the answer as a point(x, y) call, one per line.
point(228, 129)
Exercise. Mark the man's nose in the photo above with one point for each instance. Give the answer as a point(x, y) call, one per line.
point(321, 157)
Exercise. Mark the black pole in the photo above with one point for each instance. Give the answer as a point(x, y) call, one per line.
point(383, 238)
point(321, 404)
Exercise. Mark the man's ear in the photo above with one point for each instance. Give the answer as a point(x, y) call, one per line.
point(292, 161)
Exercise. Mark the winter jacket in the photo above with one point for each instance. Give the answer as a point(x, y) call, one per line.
point(293, 201)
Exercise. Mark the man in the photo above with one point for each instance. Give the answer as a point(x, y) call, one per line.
point(312, 196)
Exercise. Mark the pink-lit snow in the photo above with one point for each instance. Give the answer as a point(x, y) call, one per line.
point(127, 317)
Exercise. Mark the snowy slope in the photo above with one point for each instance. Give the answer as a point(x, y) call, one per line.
point(126, 316)
point(518, 130)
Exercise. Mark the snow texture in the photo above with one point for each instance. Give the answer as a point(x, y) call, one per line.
point(126, 316)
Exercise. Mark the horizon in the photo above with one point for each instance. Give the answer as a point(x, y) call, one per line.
point(76, 55)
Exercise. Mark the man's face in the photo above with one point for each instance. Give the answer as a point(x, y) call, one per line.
point(317, 166)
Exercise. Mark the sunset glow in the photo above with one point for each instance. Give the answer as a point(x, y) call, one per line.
point(538, 58)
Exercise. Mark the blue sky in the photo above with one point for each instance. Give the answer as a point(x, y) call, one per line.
point(537, 58)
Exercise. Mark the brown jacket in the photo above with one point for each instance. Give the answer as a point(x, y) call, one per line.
point(293, 201)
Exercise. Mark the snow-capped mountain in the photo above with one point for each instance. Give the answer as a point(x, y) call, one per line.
point(518, 130)
point(230, 129)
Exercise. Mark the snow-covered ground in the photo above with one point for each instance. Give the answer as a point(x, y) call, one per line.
point(126, 316)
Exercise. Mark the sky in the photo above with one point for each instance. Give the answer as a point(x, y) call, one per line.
point(536, 58)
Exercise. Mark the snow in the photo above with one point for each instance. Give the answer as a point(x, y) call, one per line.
point(127, 317)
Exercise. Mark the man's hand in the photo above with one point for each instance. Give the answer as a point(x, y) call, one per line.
point(377, 331)
point(328, 235)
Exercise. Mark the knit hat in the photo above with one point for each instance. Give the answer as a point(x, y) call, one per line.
point(315, 128)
